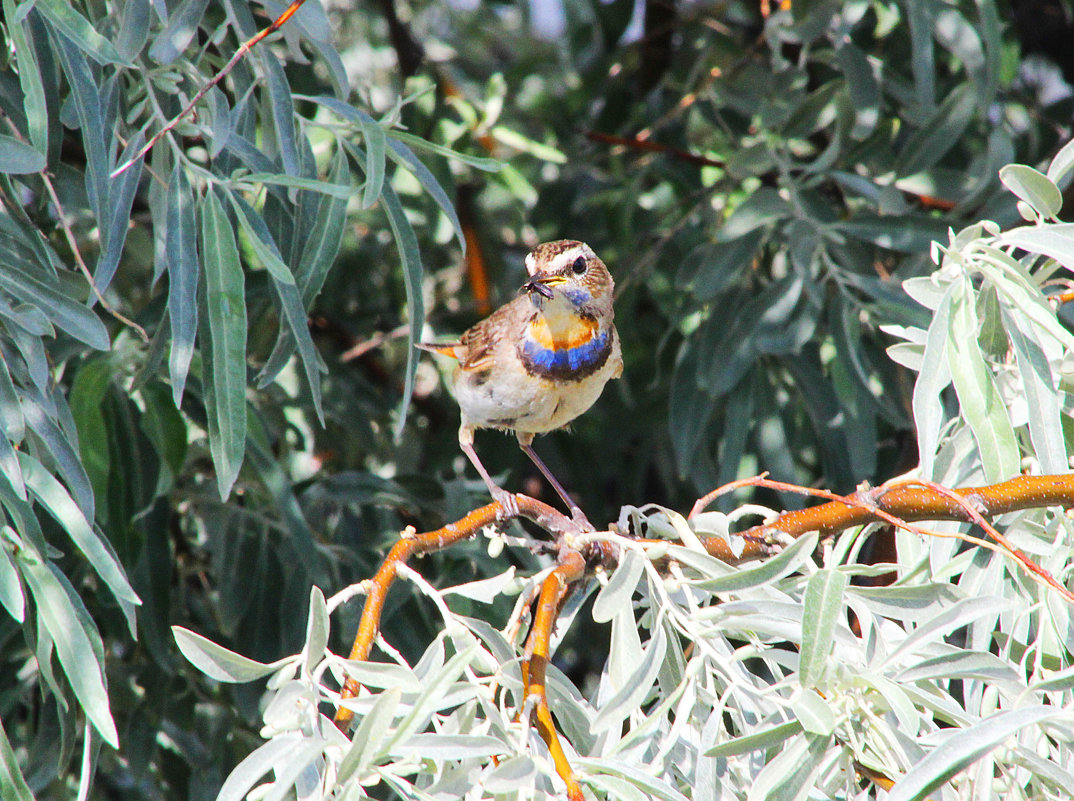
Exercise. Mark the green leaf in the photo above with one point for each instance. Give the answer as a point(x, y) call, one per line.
point(617, 593)
point(323, 241)
point(780, 565)
point(183, 268)
point(31, 285)
point(1034, 188)
point(1062, 164)
point(407, 243)
point(402, 155)
point(821, 613)
point(1042, 398)
point(86, 96)
point(13, 786)
point(963, 747)
point(55, 499)
point(216, 661)
point(862, 87)
point(765, 739)
point(34, 103)
point(282, 108)
point(19, 158)
point(12, 597)
point(78, 29)
point(225, 378)
point(316, 630)
point(763, 207)
point(113, 228)
point(633, 691)
point(342, 191)
point(73, 646)
point(978, 396)
point(376, 145)
point(940, 133)
point(369, 738)
point(181, 27)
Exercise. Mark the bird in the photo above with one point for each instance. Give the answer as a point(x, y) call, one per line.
point(540, 360)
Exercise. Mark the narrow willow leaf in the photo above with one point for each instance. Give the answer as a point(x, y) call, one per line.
point(183, 269)
point(783, 564)
point(367, 740)
point(1062, 164)
point(62, 450)
point(78, 29)
point(73, 646)
point(31, 285)
point(134, 29)
point(316, 629)
point(121, 191)
point(342, 191)
point(19, 158)
point(216, 661)
point(404, 156)
point(11, 779)
point(180, 29)
point(962, 748)
point(283, 110)
point(376, 145)
point(416, 142)
point(59, 504)
point(275, 755)
point(862, 88)
point(1042, 397)
point(296, 328)
point(225, 307)
point(978, 395)
point(407, 243)
point(34, 104)
point(761, 740)
point(620, 587)
point(87, 103)
point(12, 597)
point(823, 607)
point(637, 687)
point(932, 379)
point(323, 242)
point(940, 132)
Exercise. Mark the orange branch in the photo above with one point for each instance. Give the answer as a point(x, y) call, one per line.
point(902, 501)
point(415, 545)
point(554, 590)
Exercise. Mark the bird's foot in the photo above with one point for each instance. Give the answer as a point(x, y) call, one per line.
point(508, 504)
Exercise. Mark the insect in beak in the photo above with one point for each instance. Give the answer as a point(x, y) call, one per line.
point(538, 285)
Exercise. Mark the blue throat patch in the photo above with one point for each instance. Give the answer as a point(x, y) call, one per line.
point(569, 363)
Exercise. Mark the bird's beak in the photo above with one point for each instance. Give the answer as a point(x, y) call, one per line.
point(542, 285)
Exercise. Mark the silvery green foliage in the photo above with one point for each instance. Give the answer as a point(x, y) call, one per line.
point(721, 683)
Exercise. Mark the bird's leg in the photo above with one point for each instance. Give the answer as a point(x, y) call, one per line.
point(577, 515)
point(505, 499)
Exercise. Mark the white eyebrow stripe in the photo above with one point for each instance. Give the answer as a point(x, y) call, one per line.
point(570, 254)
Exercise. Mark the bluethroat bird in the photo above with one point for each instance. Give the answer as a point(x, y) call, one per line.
point(539, 361)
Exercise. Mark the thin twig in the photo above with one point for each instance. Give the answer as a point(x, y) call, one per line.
point(244, 48)
point(73, 243)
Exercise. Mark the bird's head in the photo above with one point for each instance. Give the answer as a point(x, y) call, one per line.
point(569, 270)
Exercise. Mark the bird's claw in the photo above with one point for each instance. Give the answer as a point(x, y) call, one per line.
point(508, 505)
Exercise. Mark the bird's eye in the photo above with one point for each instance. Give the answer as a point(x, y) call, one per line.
point(579, 265)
